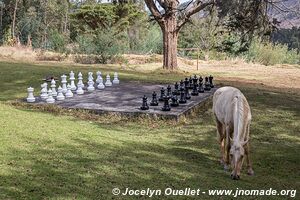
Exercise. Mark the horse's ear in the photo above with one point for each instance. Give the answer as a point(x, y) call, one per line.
point(245, 142)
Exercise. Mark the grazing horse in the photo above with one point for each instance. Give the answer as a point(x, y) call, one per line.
point(233, 117)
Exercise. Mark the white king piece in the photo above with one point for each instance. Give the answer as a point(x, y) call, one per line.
point(64, 84)
point(72, 79)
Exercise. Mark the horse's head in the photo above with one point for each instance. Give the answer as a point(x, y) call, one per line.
point(237, 153)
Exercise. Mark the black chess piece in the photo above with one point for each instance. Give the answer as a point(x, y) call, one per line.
point(191, 83)
point(166, 106)
point(176, 89)
point(187, 93)
point(210, 78)
point(201, 89)
point(169, 91)
point(162, 94)
point(174, 99)
point(182, 99)
point(195, 79)
point(195, 90)
point(206, 84)
point(181, 83)
point(145, 104)
point(154, 101)
point(187, 83)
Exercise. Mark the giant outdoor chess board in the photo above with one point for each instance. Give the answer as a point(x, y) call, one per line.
point(126, 98)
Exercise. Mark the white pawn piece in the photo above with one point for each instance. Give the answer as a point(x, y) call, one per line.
point(98, 77)
point(50, 98)
point(91, 87)
point(44, 91)
point(72, 78)
point(60, 95)
point(30, 98)
point(80, 80)
point(90, 78)
point(69, 93)
point(108, 83)
point(53, 86)
point(79, 89)
point(64, 83)
point(101, 86)
point(116, 80)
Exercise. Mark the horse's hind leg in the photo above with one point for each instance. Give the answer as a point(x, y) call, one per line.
point(247, 152)
point(228, 131)
point(221, 136)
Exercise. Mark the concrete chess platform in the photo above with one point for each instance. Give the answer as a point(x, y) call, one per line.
point(126, 98)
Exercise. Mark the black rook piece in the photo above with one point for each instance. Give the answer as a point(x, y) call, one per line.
point(154, 101)
point(176, 90)
point(162, 94)
point(166, 106)
point(182, 99)
point(206, 84)
point(174, 100)
point(211, 81)
point(169, 91)
point(201, 89)
point(191, 83)
point(145, 104)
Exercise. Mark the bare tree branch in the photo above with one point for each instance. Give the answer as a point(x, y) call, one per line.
point(154, 11)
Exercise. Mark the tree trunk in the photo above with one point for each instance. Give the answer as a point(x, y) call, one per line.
point(170, 36)
point(14, 19)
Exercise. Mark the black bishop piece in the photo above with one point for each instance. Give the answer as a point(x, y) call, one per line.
point(145, 104)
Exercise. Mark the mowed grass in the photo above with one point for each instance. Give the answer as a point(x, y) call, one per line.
point(48, 156)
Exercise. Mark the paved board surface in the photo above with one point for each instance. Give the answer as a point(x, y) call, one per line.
point(126, 98)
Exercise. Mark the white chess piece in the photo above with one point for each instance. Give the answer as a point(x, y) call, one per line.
point(108, 83)
point(80, 80)
point(79, 89)
point(90, 77)
point(91, 87)
point(98, 77)
point(60, 95)
point(64, 84)
point(69, 93)
point(50, 98)
point(30, 98)
point(53, 86)
point(101, 86)
point(44, 91)
point(116, 80)
point(72, 79)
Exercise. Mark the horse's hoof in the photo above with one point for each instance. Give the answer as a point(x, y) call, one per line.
point(250, 172)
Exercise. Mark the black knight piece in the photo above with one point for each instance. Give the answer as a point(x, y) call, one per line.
point(154, 101)
point(206, 84)
point(201, 89)
point(210, 78)
point(169, 91)
point(176, 89)
point(182, 99)
point(166, 106)
point(145, 104)
point(162, 94)
point(174, 99)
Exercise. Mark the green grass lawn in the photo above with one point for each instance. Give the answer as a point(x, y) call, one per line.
point(50, 156)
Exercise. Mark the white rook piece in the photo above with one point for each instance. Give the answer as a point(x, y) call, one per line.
point(69, 93)
point(53, 87)
point(50, 98)
point(98, 77)
point(101, 86)
point(108, 82)
point(79, 89)
point(72, 78)
point(30, 98)
point(116, 80)
point(64, 83)
point(60, 95)
point(44, 94)
point(80, 80)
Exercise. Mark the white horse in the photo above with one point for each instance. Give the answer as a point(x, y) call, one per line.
point(233, 117)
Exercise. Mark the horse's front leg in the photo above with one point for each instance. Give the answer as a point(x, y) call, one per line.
point(247, 152)
point(227, 148)
point(221, 136)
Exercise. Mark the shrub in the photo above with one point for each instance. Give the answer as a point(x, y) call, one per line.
point(57, 42)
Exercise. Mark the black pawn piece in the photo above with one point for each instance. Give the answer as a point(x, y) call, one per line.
point(169, 91)
point(154, 101)
point(187, 83)
point(174, 100)
point(201, 88)
point(210, 78)
point(176, 89)
point(206, 84)
point(162, 94)
point(145, 104)
point(191, 83)
point(166, 106)
point(187, 93)
point(182, 99)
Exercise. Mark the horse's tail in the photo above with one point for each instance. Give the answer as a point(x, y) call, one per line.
point(238, 116)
